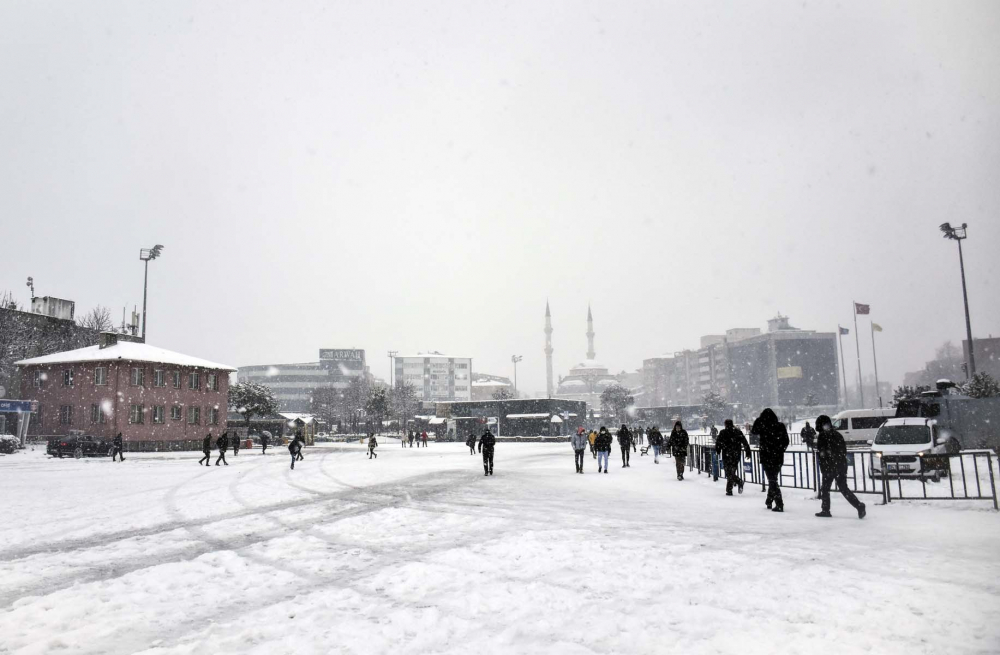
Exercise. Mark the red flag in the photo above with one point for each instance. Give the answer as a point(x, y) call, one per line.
point(861, 309)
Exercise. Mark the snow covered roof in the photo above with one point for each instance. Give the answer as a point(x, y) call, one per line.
point(432, 355)
point(291, 416)
point(543, 415)
point(589, 364)
point(436, 420)
point(573, 383)
point(489, 383)
point(124, 351)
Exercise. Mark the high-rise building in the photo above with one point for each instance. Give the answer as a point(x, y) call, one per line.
point(436, 376)
point(294, 384)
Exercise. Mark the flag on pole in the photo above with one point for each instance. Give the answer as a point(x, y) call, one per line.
point(876, 327)
point(844, 330)
point(861, 309)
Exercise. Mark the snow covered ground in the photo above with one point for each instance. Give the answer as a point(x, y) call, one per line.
point(418, 552)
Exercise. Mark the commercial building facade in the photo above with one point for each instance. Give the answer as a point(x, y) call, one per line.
point(293, 384)
point(530, 417)
point(436, 376)
point(157, 399)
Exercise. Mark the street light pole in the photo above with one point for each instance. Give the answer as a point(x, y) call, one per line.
point(392, 365)
point(145, 255)
point(959, 234)
point(515, 359)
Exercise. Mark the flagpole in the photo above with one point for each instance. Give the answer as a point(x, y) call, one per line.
point(857, 347)
point(843, 368)
point(875, 362)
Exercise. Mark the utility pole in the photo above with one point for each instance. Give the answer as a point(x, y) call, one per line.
point(145, 255)
point(515, 359)
point(959, 234)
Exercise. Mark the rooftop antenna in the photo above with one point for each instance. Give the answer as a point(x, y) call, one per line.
point(31, 284)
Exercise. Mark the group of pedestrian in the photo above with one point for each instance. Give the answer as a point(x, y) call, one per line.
point(420, 438)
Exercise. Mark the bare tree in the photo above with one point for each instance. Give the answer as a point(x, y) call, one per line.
point(99, 319)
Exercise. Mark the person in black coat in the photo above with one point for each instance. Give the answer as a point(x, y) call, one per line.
point(773, 443)
point(372, 445)
point(116, 447)
point(265, 439)
point(808, 435)
point(656, 443)
point(603, 446)
point(471, 443)
point(206, 447)
point(625, 443)
point(729, 444)
point(302, 442)
point(832, 454)
point(236, 445)
point(678, 442)
point(222, 443)
point(295, 450)
point(486, 444)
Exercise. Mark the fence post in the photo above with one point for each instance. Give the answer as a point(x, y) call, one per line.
point(993, 485)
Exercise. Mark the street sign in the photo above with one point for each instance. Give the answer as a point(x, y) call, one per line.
point(18, 406)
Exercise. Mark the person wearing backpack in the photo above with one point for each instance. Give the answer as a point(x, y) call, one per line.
point(729, 444)
point(678, 445)
point(832, 454)
point(222, 443)
point(773, 438)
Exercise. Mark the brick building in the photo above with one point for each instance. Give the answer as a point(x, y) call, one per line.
point(157, 399)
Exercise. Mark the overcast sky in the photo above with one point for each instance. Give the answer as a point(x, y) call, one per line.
point(421, 175)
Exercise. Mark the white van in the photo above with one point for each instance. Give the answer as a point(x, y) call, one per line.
point(912, 448)
point(859, 426)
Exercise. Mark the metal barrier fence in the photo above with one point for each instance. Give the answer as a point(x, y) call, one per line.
point(967, 475)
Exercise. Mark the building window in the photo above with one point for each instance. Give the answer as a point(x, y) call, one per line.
point(68, 377)
point(97, 414)
point(461, 366)
point(194, 380)
point(213, 415)
point(138, 377)
point(175, 413)
point(135, 414)
point(158, 413)
point(100, 376)
point(194, 415)
point(66, 415)
point(39, 379)
point(177, 379)
point(159, 378)
point(213, 382)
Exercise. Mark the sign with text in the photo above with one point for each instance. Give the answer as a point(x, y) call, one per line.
point(789, 372)
point(18, 406)
point(342, 355)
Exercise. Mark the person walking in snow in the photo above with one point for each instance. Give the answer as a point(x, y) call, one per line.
point(729, 444)
point(265, 438)
point(603, 446)
point(372, 445)
point(639, 433)
point(295, 450)
point(302, 443)
point(236, 445)
point(579, 443)
point(592, 438)
point(773, 439)
point(222, 443)
point(714, 433)
point(486, 444)
point(678, 445)
point(656, 443)
point(832, 454)
point(206, 447)
point(625, 443)
point(423, 437)
point(471, 443)
point(808, 434)
point(116, 447)
point(411, 438)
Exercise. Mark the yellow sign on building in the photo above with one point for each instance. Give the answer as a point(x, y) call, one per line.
point(786, 372)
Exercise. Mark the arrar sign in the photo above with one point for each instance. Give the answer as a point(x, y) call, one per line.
point(342, 355)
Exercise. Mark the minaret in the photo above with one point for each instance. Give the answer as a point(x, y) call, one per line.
point(590, 334)
point(548, 350)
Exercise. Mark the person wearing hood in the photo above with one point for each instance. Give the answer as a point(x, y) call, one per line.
point(579, 443)
point(265, 439)
point(603, 446)
point(729, 444)
point(206, 447)
point(656, 443)
point(295, 449)
point(808, 435)
point(773, 443)
point(222, 443)
point(678, 445)
point(117, 448)
point(486, 444)
point(832, 454)
point(471, 443)
point(625, 443)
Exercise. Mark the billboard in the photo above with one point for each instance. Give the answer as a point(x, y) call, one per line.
point(342, 355)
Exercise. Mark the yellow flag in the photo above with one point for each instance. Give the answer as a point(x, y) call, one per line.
point(876, 327)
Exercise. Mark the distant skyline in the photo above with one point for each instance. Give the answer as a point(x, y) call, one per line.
point(415, 176)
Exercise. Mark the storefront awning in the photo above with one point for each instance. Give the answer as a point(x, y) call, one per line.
point(436, 421)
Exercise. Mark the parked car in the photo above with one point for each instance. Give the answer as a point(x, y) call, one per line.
point(78, 446)
point(912, 448)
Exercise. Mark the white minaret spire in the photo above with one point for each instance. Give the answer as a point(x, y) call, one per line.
point(590, 334)
point(548, 350)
